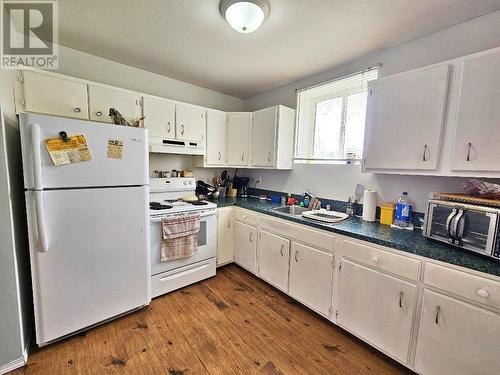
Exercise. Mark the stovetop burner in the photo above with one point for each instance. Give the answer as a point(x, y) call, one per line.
point(199, 203)
point(158, 206)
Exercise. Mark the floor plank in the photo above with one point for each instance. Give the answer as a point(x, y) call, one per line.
point(233, 323)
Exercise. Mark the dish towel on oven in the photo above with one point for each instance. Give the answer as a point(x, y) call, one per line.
point(179, 236)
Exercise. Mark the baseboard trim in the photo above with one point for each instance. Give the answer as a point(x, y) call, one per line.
point(15, 364)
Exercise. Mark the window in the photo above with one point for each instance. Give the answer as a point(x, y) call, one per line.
point(331, 119)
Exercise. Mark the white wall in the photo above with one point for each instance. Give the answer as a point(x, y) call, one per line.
point(338, 181)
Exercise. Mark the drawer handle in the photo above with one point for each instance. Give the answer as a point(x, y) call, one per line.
point(182, 129)
point(281, 250)
point(483, 293)
point(242, 156)
point(77, 109)
point(375, 259)
point(424, 155)
point(251, 236)
point(169, 127)
point(269, 157)
point(438, 311)
point(220, 156)
point(98, 113)
point(296, 255)
point(401, 297)
point(469, 147)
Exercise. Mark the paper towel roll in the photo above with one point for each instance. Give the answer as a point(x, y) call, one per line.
point(369, 205)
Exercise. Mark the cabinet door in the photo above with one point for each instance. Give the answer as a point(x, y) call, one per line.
point(225, 235)
point(245, 246)
point(456, 338)
point(216, 138)
point(274, 255)
point(263, 145)
point(159, 117)
point(190, 123)
point(477, 136)
point(101, 99)
point(404, 120)
point(311, 273)
point(238, 137)
point(377, 307)
point(54, 96)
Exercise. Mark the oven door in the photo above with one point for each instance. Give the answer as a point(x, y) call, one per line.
point(462, 225)
point(206, 244)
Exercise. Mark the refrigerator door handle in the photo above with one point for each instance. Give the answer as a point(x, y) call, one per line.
point(37, 157)
point(40, 221)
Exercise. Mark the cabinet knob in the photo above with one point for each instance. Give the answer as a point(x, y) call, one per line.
point(483, 293)
point(98, 113)
point(375, 259)
point(77, 109)
point(169, 127)
point(251, 237)
point(182, 129)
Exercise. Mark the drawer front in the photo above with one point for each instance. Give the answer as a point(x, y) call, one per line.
point(408, 268)
point(475, 288)
point(168, 281)
point(246, 217)
point(300, 233)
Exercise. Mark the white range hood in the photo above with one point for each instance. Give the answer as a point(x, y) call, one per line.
point(176, 146)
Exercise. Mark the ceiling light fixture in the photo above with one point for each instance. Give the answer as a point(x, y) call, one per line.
point(245, 16)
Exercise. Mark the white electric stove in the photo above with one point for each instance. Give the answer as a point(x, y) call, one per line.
point(165, 199)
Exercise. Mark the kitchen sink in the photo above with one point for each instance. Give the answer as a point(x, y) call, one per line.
point(291, 210)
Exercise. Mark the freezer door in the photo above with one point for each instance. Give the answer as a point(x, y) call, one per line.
point(96, 263)
point(41, 173)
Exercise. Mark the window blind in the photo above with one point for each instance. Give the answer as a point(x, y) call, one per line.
point(331, 119)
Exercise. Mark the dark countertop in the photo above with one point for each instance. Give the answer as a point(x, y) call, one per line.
point(410, 241)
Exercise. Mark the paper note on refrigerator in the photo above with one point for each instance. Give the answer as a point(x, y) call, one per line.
point(115, 149)
point(72, 150)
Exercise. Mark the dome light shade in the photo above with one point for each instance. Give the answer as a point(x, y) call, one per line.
point(244, 16)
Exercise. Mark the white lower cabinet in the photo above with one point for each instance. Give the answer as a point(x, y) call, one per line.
point(377, 307)
point(225, 235)
point(274, 255)
point(457, 338)
point(311, 274)
point(245, 242)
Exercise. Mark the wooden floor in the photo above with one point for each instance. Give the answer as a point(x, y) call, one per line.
point(231, 324)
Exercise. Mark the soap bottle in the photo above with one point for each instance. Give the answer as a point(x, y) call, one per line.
point(404, 209)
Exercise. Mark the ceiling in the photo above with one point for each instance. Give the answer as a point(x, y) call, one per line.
point(189, 40)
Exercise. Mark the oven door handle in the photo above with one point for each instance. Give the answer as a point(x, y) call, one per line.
point(202, 215)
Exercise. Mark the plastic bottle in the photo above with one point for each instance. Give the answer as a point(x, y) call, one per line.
point(404, 209)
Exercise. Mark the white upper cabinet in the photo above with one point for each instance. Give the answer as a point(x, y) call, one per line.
point(274, 254)
point(46, 94)
point(404, 120)
point(263, 143)
point(216, 138)
point(477, 138)
point(238, 137)
point(377, 307)
point(456, 338)
point(189, 123)
point(311, 275)
point(101, 99)
point(159, 117)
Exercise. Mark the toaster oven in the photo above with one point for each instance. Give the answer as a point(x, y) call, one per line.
point(471, 227)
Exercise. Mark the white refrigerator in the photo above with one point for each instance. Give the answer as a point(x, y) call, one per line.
point(88, 224)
